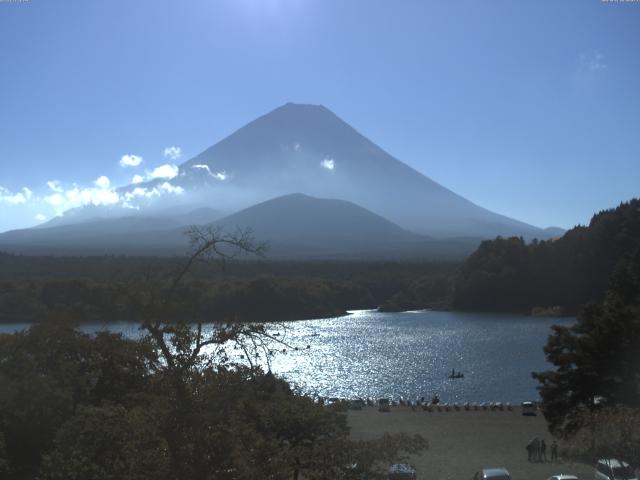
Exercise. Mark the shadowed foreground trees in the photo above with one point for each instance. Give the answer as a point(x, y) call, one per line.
point(175, 405)
point(596, 384)
point(82, 412)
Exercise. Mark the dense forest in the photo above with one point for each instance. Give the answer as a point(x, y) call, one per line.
point(112, 288)
point(507, 274)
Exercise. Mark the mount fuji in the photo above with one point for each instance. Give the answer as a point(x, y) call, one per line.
point(294, 149)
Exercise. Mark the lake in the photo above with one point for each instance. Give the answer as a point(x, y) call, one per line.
point(410, 354)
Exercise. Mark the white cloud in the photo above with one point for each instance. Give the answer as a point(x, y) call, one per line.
point(65, 199)
point(328, 163)
point(164, 171)
point(8, 197)
point(130, 160)
point(102, 182)
point(173, 153)
point(143, 192)
point(55, 186)
point(202, 167)
point(138, 192)
point(105, 197)
point(137, 179)
point(167, 187)
point(592, 62)
point(57, 199)
point(217, 175)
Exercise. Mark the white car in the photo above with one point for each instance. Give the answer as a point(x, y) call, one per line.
point(563, 476)
point(492, 474)
point(614, 469)
point(402, 471)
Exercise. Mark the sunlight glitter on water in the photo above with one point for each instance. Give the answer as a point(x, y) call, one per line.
point(372, 354)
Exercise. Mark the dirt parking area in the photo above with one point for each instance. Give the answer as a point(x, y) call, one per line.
point(462, 442)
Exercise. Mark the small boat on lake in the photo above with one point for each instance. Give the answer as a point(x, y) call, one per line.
point(455, 374)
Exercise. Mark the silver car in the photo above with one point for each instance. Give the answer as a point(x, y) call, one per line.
point(492, 474)
point(563, 476)
point(614, 469)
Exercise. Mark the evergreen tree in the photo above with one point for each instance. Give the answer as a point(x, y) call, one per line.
point(598, 359)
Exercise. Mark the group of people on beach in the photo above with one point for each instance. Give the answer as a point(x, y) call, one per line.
point(537, 450)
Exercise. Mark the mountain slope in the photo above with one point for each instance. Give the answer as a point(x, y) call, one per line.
point(299, 225)
point(295, 148)
point(294, 226)
point(108, 235)
point(308, 149)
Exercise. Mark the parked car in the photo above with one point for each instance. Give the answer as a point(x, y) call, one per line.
point(563, 476)
point(402, 471)
point(528, 408)
point(614, 469)
point(492, 474)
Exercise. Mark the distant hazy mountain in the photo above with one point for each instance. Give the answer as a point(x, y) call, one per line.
point(381, 205)
point(98, 235)
point(295, 226)
point(308, 149)
point(314, 220)
point(554, 232)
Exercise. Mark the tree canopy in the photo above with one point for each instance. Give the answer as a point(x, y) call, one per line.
point(597, 359)
point(508, 274)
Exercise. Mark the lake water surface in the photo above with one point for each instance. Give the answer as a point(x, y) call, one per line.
point(409, 354)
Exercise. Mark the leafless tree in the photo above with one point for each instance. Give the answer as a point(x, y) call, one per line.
point(181, 342)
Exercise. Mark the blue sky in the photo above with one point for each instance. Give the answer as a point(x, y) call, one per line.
point(531, 109)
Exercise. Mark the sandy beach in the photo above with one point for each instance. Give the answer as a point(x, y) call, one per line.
point(462, 442)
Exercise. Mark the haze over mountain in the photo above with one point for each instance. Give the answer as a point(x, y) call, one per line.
point(294, 226)
point(378, 204)
point(297, 225)
point(308, 149)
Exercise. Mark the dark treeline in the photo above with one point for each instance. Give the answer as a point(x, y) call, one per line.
point(508, 274)
point(109, 288)
point(592, 395)
point(505, 274)
point(80, 407)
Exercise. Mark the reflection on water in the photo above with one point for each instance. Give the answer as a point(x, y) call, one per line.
point(410, 354)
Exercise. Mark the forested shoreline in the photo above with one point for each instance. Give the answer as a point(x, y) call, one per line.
point(508, 274)
point(109, 289)
point(558, 276)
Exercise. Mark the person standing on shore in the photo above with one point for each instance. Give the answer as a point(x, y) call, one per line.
point(543, 451)
point(533, 448)
point(554, 452)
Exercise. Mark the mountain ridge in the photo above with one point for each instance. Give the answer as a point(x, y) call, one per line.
point(296, 226)
point(306, 149)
